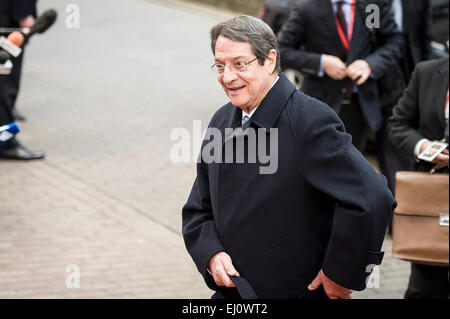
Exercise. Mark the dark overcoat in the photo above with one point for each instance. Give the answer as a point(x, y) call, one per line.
point(324, 208)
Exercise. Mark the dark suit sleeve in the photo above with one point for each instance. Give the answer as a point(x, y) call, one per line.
point(291, 37)
point(363, 202)
point(391, 44)
point(404, 122)
point(23, 8)
point(199, 230)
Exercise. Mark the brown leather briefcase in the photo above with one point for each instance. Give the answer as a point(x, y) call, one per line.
point(420, 222)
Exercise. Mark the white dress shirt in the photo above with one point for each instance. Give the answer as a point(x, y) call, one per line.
point(397, 9)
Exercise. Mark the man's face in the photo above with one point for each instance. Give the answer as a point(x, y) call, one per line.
point(245, 89)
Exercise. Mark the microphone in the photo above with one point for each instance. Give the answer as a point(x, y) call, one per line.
point(13, 43)
point(9, 30)
point(3, 57)
point(7, 132)
point(42, 23)
point(16, 38)
point(5, 63)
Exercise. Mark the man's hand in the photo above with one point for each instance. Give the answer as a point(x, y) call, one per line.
point(334, 67)
point(332, 289)
point(221, 268)
point(359, 70)
point(443, 157)
point(26, 22)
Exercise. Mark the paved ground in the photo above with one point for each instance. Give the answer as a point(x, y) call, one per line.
point(101, 101)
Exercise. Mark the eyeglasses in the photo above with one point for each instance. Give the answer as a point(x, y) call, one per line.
point(238, 66)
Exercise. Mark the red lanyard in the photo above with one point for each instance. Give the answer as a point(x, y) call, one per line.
point(346, 41)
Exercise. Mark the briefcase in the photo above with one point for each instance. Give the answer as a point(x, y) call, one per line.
point(420, 221)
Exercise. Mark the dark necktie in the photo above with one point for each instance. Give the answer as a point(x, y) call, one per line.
point(245, 119)
point(341, 18)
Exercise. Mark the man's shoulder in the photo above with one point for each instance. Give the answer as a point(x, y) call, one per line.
point(221, 115)
point(306, 4)
point(301, 106)
point(305, 112)
point(431, 66)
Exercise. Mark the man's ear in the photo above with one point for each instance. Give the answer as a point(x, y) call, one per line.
point(271, 61)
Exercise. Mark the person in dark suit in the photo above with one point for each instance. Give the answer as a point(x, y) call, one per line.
point(311, 228)
point(14, 14)
point(339, 61)
point(414, 19)
point(420, 117)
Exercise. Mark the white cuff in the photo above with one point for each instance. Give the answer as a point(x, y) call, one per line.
point(321, 72)
point(419, 145)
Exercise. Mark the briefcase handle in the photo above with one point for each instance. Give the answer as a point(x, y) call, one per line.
point(439, 166)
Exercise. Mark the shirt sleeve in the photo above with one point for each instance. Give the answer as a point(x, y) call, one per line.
point(321, 71)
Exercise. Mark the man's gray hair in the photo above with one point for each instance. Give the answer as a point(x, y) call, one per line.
point(252, 30)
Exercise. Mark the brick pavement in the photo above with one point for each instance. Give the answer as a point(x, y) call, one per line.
point(101, 101)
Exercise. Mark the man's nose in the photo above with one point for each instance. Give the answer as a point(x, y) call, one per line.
point(228, 75)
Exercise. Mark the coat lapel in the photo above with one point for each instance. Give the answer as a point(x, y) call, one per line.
point(329, 24)
point(358, 30)
point(406, 15)
point(440, 93)
point(234, 120)
point(268, 112)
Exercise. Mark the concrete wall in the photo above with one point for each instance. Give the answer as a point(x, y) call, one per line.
point(250, 7)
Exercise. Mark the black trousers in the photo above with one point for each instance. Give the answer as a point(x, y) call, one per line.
point(428, 282)
point(9, 90)
point(355, 122)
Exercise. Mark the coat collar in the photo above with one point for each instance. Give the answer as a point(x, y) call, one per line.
point(270, 108)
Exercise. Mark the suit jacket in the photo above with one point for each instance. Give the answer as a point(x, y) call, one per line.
point(420, 111)
point(324, 208)
point(417, 29)
point(11, 11)
point(312, 25)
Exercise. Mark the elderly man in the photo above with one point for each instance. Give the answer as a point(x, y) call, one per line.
point(311, 229)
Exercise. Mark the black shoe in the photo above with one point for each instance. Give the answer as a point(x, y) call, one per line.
point(20, 153)
point(17, 115)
